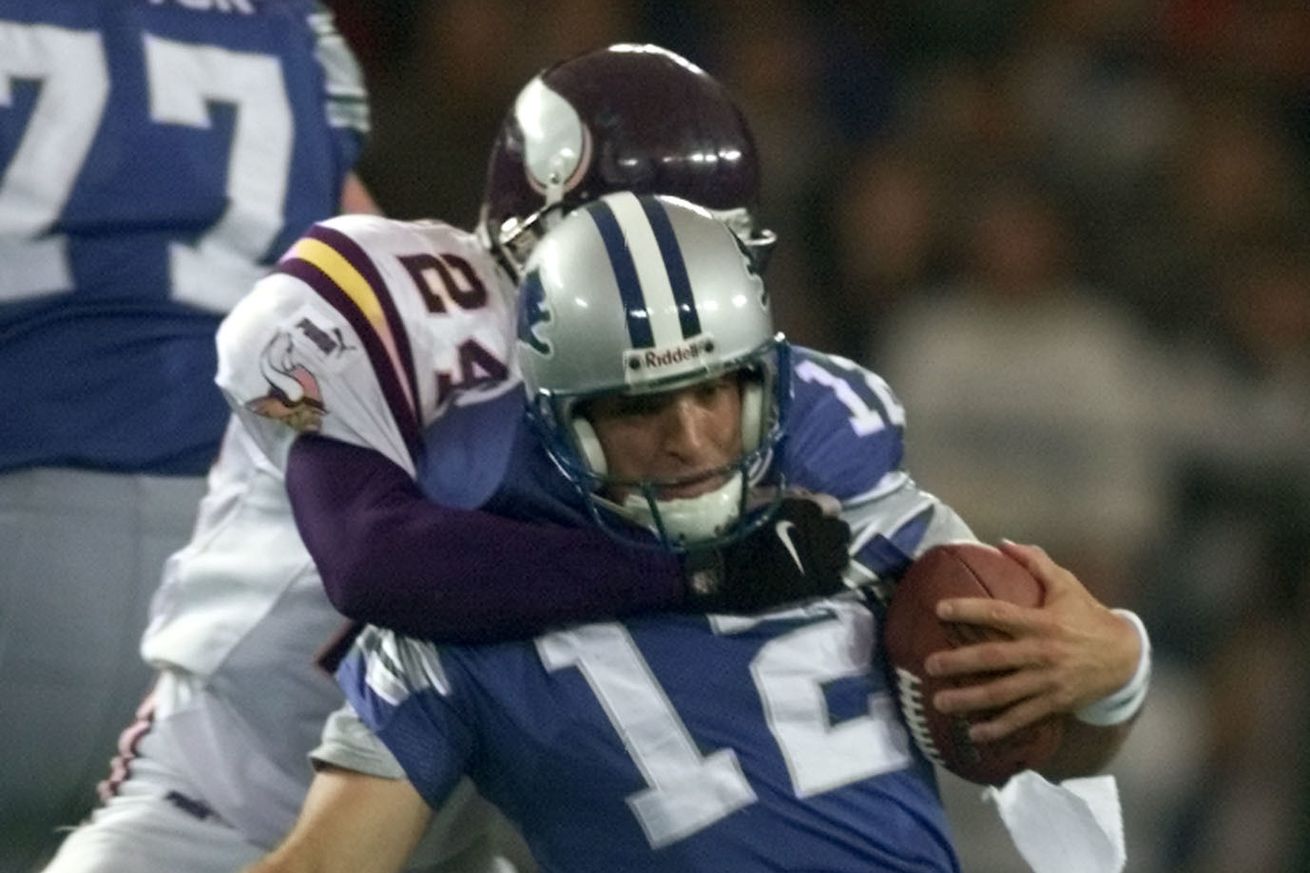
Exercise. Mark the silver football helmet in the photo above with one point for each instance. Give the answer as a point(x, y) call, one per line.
point(643, 294)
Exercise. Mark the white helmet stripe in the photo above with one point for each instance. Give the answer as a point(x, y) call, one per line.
point(652, 272)
point(674, 263)
point(625, 274)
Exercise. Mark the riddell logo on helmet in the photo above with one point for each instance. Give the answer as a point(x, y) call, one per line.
point(667, 358)
point(640, 363)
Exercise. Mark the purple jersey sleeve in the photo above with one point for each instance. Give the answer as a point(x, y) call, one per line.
point(389, 556)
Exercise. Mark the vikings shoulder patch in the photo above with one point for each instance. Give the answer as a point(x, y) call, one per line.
point(294, 397)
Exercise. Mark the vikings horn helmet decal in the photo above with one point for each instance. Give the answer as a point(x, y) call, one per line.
point(633, 118)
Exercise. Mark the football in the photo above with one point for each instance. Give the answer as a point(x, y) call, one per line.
point(912, 632)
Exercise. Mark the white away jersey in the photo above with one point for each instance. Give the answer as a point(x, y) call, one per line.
point(364, 333)
point(237, 619)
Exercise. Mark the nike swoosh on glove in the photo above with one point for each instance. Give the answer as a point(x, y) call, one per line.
point(799, 554)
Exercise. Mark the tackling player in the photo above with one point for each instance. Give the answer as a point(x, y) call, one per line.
point(426, 314)
point(155, 157)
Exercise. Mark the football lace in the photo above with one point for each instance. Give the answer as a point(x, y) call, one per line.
point(912, 709)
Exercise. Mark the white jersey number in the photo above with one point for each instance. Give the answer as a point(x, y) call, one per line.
point(789, 674)
point(74, 88)
point(220, 268)
point(869, 414)
point(71, 66)
point(688, 791)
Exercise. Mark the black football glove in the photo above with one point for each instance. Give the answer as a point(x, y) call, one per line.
point(799, 553)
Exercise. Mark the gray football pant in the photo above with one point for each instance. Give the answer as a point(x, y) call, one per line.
point(80, 557)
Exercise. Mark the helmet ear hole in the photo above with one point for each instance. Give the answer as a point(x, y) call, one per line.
point(752, 414)
point(589, 445)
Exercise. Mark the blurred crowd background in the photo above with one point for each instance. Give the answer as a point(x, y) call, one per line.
point(1073, 236)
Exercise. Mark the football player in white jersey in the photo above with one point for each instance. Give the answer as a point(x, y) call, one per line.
point(661, 402)
point(367, 332)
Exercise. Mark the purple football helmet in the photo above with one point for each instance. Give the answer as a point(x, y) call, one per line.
point(625, 118)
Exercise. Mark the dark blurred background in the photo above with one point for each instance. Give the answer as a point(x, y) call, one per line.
point(1073, 237)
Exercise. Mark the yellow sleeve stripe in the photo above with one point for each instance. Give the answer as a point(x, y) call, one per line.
point(346, 277)
point(352, 283)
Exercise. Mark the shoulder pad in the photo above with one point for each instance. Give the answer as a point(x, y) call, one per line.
point(845, 428)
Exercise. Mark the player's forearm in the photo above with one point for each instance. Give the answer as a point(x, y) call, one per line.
point(356, 852)
point(390, 557)
point(351, 823)
point(1094, 734)
point(283, 862)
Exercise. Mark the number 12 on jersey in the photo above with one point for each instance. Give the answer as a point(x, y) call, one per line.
point(687, 791)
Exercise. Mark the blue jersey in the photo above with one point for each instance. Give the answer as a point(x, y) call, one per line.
point(677, 743)
point(156, 157)
point(684, 743)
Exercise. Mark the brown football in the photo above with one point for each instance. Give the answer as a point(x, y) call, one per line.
point(912, 632)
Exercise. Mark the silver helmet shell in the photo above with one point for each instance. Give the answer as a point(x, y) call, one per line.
point(641, 294)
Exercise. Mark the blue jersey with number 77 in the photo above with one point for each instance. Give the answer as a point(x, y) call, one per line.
point(678, 742)
point(156, 157)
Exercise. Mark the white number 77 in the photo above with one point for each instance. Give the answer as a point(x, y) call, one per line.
point(70, 65)
point(75, 85)
point(219, 269)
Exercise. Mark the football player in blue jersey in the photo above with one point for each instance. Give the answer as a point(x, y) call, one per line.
point(154, 159)
point(661, 408)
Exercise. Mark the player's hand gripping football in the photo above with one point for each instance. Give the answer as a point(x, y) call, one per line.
point(799, 553)
point(1064, 655)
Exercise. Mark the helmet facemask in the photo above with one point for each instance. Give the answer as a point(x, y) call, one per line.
point(745, 499)
point(512, 243)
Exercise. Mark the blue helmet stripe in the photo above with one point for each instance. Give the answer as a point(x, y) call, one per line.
point(674, 265)
point(625, 273)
